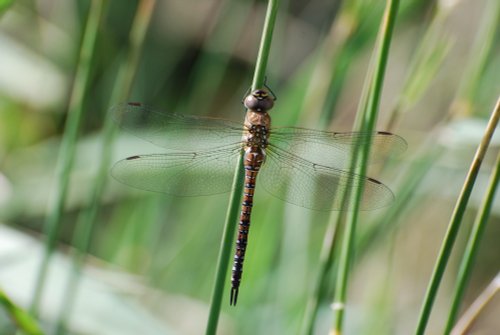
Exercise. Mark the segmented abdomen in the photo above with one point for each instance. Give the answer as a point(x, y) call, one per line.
point(252, 161)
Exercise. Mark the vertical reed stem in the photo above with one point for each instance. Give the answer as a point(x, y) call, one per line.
point(368, 119)
point(455, 222)
point(87, 220)
point(265, 45)
point(25, 323)
point(234, 203)
point(478, 306)
point(473, 246)
point(68, 146)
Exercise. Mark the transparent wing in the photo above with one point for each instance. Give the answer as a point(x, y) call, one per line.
point(303, 183)
point(334, 149)
point(175, 131)
point(181, 174)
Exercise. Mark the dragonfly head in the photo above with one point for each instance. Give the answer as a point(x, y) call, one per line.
point(259, 101)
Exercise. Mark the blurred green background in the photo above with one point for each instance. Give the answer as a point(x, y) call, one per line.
point(151, 261)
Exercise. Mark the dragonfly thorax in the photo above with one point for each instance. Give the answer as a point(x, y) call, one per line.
point(257, 126)
point(259, 101)
point(257, 137)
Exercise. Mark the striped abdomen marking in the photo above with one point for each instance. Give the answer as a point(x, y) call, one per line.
point(253, 160)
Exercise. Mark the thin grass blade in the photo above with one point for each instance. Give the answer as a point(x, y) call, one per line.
point(470, 316)
point(455, 222)
point(21, 318)
point(472, 247)
point(87, 219)
point(367, 121)
point(232, 213)
point(68, 146)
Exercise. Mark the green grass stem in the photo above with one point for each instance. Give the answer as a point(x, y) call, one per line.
point(455, 222)
point(226, 249)
point(478, 60)
point(465, 323)
point(235, 197)
point(367, 124)
point(68, 146)
point(265, 45)
point(429, 56)
point(87, 220)
point(341, 42)
point(335, 228)
point(472, 247)
point(25, 323)
point(353, 36)
point(216, 55)
point(326, 261)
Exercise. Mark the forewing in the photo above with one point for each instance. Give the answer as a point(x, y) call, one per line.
point(334, 149)
point(318, 187)
point(175, 131)
point(181, 174)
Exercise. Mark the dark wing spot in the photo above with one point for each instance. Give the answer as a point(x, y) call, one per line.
point(374, 180)
point(132, 157)
point(384, 133)
point(136, 104)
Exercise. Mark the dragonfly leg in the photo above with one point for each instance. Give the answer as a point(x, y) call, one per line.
point(269, 89)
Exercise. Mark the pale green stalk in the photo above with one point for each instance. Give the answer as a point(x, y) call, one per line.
point(326, 260)
point(68, 146)
point(226, 248)
point(480, 51)
point(265, 45)
point(335, 228)
point(472, 246)
point(87, 220)
point(25, 323)
point(467, 321)
point(368, 118)
point(455, 222)
point(429, 57)
point(234, 203)
point(217, 51)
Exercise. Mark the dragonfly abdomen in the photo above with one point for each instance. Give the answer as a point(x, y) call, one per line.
point(253, 159)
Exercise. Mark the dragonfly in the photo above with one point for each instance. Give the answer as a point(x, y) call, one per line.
point(305, 167)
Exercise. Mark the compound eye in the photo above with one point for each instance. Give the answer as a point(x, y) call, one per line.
point(259, 101)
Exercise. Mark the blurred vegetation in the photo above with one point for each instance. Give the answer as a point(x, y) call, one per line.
point(151, 261)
